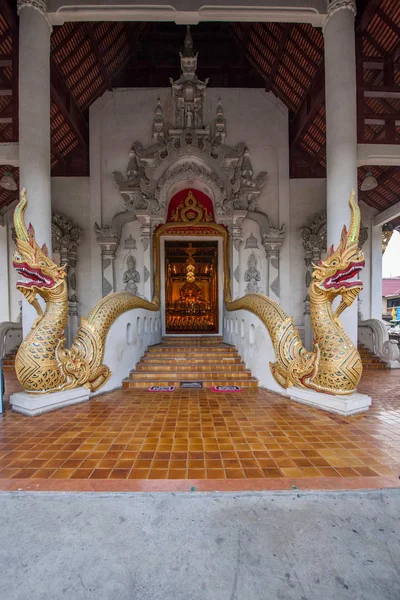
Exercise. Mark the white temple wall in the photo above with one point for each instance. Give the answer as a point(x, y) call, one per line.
point(124, 116)
point(252, 116)
point(252, 246)
point(307, 198)
point(71, 196)
point(130, 231)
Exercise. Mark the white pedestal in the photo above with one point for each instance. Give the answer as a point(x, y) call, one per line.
point(341, 405)
point(37, 404)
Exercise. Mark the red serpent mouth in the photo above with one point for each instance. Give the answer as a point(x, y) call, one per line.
point(342, 278)
point(35, 276)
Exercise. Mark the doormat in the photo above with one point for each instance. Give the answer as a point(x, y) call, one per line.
point(191, 384)
point(226, 388)
point(161, 388)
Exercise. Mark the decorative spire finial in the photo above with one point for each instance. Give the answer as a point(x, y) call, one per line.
point(158, 124)
point(188, 51)
point(220, 123)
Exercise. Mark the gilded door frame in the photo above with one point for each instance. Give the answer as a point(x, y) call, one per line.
point(198, 230)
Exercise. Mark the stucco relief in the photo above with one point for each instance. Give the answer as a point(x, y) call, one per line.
point(131, 276)
point(252, 275)
point(188, 148)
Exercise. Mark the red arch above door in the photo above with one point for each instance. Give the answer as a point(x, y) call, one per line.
point(179, 199)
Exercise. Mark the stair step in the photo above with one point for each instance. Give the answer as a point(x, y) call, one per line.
point(188, 375)
point(208, 360)
point(243, 383)
point(192, 368)
point(369, 360)
point(229, 360)
point(193, 352)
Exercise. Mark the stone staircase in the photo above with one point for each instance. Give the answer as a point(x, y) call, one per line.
point(205, 359)
point(8, 362)
point(369, 360)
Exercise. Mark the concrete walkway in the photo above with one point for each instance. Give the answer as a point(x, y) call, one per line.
point(249, 546)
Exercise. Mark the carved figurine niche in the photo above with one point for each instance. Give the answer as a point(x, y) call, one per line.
point(131, 275)
point(252, 275)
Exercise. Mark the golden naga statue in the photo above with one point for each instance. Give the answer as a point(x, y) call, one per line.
point(43, 364)
point(334, 367)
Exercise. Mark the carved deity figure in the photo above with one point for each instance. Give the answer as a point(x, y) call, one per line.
point(252, 276)
point(131, 276)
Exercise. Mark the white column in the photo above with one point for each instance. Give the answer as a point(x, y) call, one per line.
point(376, 272)
point(4, 278)
point(34, 122)
point(145, 237)
point(341, 126)
point(237, 240)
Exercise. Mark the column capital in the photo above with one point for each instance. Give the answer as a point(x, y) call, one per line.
point(107, 240)
point(39, 5)
point(273, 241)
point(336, 5)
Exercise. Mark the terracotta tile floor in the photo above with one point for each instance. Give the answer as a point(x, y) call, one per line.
point(250, 440)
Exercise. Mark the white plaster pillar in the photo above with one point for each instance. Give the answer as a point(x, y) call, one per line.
point(145, 236)
point(34, 123)
point(108, 242)
point(237, 240)
point(4, 278)
point(272, 243)
point(376, 272)
point(341, 126)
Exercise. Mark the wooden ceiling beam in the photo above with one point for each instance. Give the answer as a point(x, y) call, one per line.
point(88, 68)
point(95, 92)
point(364, 16)
point(392, 116)
point(99, 56)
point(301, 51)
point(375, 44)
point(382, 15)
point(57, 154)
point(310, 41)
point(67, 38)
point(266, 75)
point(370, 194)
point(312, 103)
point(4, 36)
point(78, 65)
point(388, 174)
point(67, 106)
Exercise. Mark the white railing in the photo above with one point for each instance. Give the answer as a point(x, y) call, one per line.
point(374, 335)
point(128, 339)
point(10, 337)
point(248, 334)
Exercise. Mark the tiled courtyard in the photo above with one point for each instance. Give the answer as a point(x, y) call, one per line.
point(197, 439)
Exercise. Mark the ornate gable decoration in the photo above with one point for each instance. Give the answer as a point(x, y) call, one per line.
point(189, 149)
point(191, 211)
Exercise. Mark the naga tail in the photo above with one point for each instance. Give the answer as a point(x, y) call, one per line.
point(90, 340)
point(293, 363)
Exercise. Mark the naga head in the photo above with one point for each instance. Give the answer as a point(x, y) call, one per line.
point(42, 275)
point(335, 275)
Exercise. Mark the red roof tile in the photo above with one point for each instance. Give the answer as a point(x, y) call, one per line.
point(390, 286)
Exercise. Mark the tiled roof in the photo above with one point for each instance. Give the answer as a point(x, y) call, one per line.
point(390, 286)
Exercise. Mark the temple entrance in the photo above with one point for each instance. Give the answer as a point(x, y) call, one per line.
point(191, 287)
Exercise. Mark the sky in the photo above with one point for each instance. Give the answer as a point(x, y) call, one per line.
point(391, 258)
